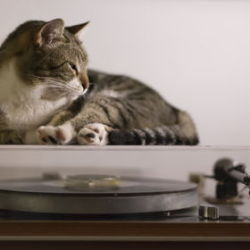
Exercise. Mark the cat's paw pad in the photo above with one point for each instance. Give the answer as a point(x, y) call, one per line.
point(55, 135)
point(93, 134)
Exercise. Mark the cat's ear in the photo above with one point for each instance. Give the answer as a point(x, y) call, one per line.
point(49, 32)
point(77, 29)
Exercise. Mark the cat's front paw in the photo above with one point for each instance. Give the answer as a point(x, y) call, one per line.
point(60, 135)
point(93, 134)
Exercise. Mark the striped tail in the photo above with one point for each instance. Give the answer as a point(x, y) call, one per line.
point(183, 133)
point(159, 136)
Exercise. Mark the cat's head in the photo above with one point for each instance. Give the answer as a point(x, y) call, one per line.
point(50, 55)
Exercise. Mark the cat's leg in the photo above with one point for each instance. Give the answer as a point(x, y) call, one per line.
point(52, 133)
point(46, 134)
point(66, 133)
point(94, 134)
point(70, 133)
point(102, 112)
point(60, 118)
point(63, 134)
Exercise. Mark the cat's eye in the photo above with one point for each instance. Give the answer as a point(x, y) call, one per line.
point(73, 67)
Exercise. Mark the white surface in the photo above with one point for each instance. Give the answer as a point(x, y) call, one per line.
point(195, 52)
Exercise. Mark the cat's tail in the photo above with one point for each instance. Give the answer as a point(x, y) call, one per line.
point(181, 133)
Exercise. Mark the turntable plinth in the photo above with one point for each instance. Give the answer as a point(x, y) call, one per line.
point(120, 234)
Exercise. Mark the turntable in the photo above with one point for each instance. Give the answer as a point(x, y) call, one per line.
point(108, 195)
point(95, 211)
point(95, 195)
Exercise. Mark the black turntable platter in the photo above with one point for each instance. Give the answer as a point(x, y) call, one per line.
point(96, 194)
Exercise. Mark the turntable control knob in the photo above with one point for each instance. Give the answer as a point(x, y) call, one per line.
point(208, 213)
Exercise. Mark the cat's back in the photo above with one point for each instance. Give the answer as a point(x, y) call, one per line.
point(131, 94)
point(120, 86)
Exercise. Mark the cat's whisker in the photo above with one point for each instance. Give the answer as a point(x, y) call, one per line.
point(56, 84)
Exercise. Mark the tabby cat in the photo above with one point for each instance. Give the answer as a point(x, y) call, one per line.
point(47, 96)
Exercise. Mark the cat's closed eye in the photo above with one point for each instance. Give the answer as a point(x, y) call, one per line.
point(56, 66)
point(73, 67)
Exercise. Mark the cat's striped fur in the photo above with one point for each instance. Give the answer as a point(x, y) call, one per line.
point(162, 135)
point(43, 99)
point(144, 117)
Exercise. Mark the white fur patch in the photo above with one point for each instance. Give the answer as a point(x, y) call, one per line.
point(62, 135)
point(22, 103)
point(76, 84)
point(112, 93)
point(93, 134)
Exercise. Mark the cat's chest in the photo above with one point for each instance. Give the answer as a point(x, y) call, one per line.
point(30, 114)
point(22, 105)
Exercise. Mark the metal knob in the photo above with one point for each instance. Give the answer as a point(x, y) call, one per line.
point(209, 213)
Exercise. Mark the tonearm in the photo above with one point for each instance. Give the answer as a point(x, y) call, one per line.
point(228, 173)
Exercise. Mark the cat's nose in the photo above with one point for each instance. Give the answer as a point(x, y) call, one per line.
point(84, 80)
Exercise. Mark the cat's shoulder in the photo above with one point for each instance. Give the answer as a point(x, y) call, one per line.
point(101, 77)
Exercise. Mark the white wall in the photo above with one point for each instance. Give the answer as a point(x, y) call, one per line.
point(196, 53)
